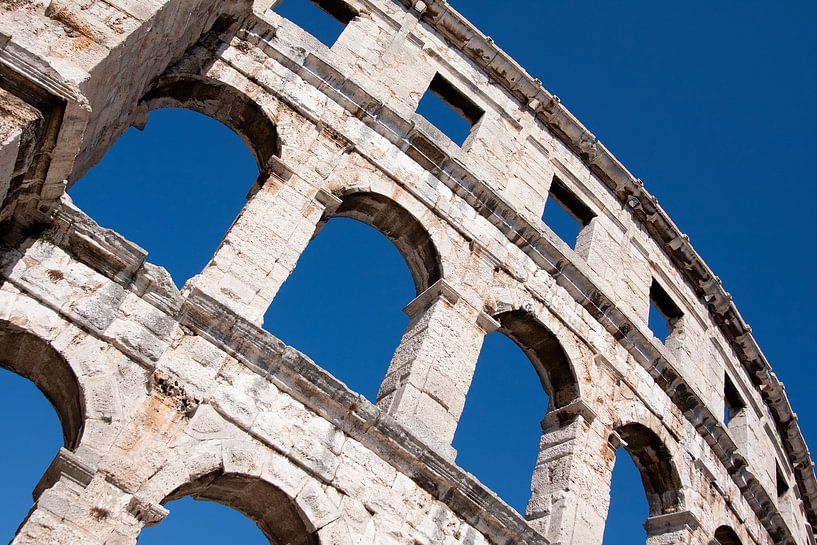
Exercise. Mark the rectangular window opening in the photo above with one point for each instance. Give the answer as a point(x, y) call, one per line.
point(449, 109)
point(664, 313)
point(565, 213)
point(324, 19)
point(782, 484)
point(733, 404)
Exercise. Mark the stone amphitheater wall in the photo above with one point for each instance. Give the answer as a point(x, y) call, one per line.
point(182, 393)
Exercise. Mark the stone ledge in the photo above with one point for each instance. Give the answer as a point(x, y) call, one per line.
point(437, 291)
point(671, 522)
point(66, 464)
point(571, 411)
point(146, 512)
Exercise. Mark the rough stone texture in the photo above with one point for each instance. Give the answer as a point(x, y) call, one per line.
point(164, 393)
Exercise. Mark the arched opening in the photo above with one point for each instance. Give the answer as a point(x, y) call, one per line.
point(30, 357)
point(203, 523)
point(653, 460)
point(628, 504)
point(342, 306)
point(222, 103)
point(498, 434)
point(521, 374)
point(272, 511)
point(645, 484)
point(175, 187)
point(404, 231)
point(546, 354)
point(726, 536)
point(35, 383)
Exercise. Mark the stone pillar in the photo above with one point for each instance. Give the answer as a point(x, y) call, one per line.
point(673, 529)
point(264, 243)
point(431, 371)
point(20, 131)
point(76, 505)
point(570, 489)
point(9, 146)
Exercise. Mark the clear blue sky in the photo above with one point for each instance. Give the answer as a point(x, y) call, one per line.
point(714, 106)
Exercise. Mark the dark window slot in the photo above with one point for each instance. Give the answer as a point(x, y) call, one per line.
point(565, 213)
point(570, 202)
point(324, 19)
point(341, 11)
point(782, 484)
point(664, 313)
point(733, 403)
point(449, 109)
point(456, 99)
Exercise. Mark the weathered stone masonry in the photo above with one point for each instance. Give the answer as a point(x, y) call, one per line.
point(164, 394)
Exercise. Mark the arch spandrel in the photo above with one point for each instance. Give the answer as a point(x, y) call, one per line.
point(284, 132)
point(354, 174)
point(286, 503)
point(204, 82)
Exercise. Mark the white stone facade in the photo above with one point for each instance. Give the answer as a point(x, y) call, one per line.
point(164, 394)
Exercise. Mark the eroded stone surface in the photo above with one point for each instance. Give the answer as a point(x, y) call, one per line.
point(164, 393)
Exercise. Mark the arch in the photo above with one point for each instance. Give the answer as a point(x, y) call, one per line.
point(276, 515)
point(193, 180)
point(225, 104)
point(502, 415)
point(659, 476)
point(545, 352)
point(402, 228)
point(352, 336)
point(31, 357)
point(726, 536)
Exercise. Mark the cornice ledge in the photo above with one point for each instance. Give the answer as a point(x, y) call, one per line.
point(671, 522)
point(65, 464)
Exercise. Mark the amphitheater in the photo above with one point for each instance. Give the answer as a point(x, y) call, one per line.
point(165, 393)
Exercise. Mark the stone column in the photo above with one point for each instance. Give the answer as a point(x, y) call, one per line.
point(431, 371)
point(9, 147)
point(75, 505)
point(570, 489)
point(264, 243)
point(673, 529)
point(20, 131)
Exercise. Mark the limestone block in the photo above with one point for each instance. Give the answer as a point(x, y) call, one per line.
point(339, 533)
point(317, 509)
point(285, 475)
point(135, 340)
point(243, 457)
